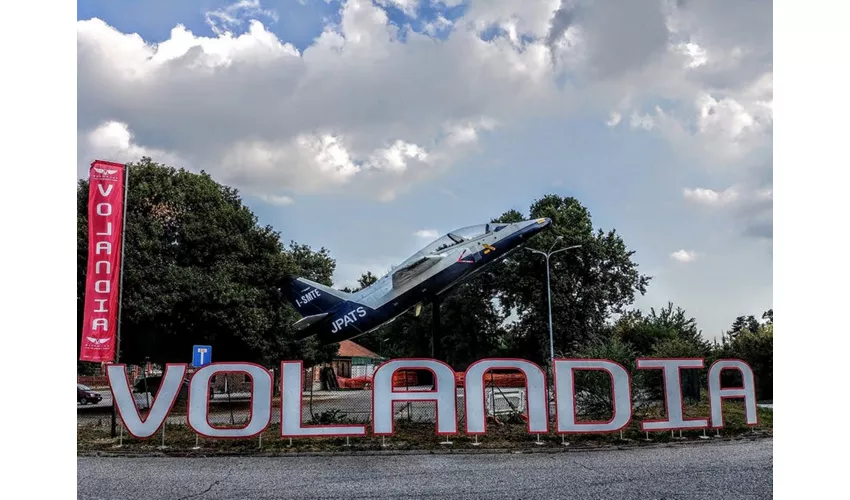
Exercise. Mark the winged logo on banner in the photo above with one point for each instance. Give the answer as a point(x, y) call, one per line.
point(105, 171)
point(94, 340)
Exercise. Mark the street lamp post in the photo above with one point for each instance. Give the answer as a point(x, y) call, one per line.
point(549, 290)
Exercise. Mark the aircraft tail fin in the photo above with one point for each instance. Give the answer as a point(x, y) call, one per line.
point(310, 298)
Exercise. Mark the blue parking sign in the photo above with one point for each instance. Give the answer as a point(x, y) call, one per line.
point(201, 355)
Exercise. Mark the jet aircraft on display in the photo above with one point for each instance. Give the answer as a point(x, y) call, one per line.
point(429, 274)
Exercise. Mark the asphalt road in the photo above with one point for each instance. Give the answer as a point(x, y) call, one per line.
point(727, 470)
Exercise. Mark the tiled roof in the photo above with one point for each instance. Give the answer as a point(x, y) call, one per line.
point(348, 349)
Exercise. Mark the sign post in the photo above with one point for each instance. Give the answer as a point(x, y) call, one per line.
point(201, 356)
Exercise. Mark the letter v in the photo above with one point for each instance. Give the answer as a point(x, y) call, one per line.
point(102, 192)
point(161, 405)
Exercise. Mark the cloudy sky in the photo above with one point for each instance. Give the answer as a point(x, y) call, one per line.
point(367, 127)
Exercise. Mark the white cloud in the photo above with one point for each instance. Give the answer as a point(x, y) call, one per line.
point(360, 111)
point(221, 21)
point(427, 233)
point(277, 200)
point(710, 197)
point(684, 255)
point(409, 7)
point(113, 141)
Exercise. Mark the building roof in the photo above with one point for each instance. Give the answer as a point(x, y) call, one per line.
point(349, 349)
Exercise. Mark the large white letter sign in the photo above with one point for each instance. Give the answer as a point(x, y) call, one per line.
point(535, 384)
point(161, 405)
point(292, 380)
point(672, 394)
point(199, 400)
point(565, 397)
point(716, 395)
point(384, 395)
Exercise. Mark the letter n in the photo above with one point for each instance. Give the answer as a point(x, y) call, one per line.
point(292, 380)
point(161, 405)
point(535, 385)
point(199, 401)
point(565, 396)
point(384, 395)
point(716, 395)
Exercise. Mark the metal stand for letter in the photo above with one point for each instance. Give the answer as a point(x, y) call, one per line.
point(197, 443)
point(476, 443)
point(162, 446)
point(704, 436)
point(446, 441)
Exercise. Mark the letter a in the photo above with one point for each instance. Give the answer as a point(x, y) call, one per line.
point(716, 395)
point(535, 384)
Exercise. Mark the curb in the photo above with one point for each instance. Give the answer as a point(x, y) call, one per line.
point(464, 451)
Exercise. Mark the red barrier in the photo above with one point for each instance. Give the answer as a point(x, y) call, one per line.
point(410, 378)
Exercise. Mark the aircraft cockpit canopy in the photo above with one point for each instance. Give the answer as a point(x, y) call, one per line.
point(460, 235)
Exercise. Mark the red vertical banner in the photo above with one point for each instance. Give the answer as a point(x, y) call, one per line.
point(105, 210)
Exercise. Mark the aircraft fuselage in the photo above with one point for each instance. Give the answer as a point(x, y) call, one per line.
point(426, 276)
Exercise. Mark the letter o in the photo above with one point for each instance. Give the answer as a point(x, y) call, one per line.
point(107, 205)
point(97, 286)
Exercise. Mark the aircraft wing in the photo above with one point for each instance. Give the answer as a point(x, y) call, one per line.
point(308, 320)
point(403, 275)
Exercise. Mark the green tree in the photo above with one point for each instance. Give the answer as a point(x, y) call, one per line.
point(588, 284)
point(756, 349)
point(645, 332)
point(200, 270)
point(744, 323)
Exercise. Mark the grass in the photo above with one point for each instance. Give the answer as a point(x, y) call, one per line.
point(510, 435)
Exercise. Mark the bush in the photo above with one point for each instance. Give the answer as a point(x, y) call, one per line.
point(593, 388)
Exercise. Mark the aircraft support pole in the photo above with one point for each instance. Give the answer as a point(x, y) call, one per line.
point(435, 329)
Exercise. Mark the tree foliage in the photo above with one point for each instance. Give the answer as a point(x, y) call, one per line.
point(588, 284)
point(200, 270)
point(645, 332)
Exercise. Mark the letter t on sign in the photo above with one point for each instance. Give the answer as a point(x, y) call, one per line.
point(201, 355)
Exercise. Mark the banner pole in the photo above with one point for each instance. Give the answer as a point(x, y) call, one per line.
point(120, 288)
